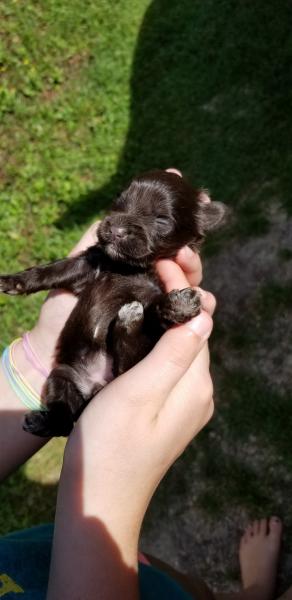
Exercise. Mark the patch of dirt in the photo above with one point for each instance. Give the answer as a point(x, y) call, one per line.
point(77, 60)
point(177, 529)
point(235, 276)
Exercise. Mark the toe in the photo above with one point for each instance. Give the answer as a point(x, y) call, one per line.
point(275, 527)
point(249, 532)
point(263, 526)
point(256, 527)
point(247, 535)
point(243, 540)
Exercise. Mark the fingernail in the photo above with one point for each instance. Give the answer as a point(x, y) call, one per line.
point(202, 293)
point(175, 171)
point(201, 325)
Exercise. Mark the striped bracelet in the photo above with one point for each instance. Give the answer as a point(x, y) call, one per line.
point(21, 387)
point(32, 356)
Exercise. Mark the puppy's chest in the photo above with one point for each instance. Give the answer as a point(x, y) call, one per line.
point(103, 302)
point(111, 291)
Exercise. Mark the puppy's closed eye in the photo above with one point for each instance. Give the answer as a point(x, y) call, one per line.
point(164, 224)
point(162, 220)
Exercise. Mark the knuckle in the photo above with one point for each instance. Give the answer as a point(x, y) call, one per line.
point(209, 411)
point(208, 301)
point(177, 359)
point(211, 408)
point(213, 300)
point(94, 227)
point(207, 398)
point(198, 271)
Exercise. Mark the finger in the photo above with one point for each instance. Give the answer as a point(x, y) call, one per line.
point(204, 196)
point(191, 265)
point(190, 272)
point(190, 404)
point(171, 275)
point(175, 171)
point(208, 301)
point(156, 375)
point(88, 239)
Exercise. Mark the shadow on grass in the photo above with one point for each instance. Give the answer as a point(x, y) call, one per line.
point(211, 93)
point(25, 503)
point(242, 458)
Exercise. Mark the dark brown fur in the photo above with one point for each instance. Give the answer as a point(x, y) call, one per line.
point(121, 310)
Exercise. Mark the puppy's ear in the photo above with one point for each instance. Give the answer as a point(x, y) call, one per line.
point(210, 214)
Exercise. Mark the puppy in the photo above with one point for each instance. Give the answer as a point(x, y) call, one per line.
point(122, 309)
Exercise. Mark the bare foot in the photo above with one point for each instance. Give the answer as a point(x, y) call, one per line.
point(258, 556)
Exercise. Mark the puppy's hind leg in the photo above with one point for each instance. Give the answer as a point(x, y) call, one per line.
point(129, 344)
point(130, 317)
point(64, 404)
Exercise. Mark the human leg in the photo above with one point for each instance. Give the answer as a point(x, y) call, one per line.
point(191, 584)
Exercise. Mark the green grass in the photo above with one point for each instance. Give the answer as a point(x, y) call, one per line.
point(29, 496)
point(64, 115)
point(64, 107)
point(93, 93)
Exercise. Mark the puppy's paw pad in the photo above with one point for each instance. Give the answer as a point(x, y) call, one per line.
point(10, 285)
point(131, 313)
point(182, 305)
point(190, 298)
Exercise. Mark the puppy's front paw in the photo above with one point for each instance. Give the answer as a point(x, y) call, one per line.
point(180, 305)
point(11, 284)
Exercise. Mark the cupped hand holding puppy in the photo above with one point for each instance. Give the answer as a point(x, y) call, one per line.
point(185, 271)
point(122, 446)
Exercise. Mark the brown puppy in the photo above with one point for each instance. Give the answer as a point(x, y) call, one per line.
point(122, 309)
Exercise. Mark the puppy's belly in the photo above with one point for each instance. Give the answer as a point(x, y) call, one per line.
point(94, 373)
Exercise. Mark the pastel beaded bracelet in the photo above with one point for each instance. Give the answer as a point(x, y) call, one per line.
point(32, 356)
point(21, 387)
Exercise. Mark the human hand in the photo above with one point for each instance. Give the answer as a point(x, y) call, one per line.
point(57, 308)
point(121, 447)
point(59, 304)
point(138, 425)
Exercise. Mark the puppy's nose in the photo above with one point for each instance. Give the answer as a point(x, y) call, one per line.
point(118, 232)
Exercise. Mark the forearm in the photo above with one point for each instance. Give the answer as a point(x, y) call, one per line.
point(16, 446)
point(96, 534)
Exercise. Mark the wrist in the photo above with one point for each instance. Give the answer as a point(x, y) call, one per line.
point(116, 523)
point(33, 376)
point(43, 345)
point(108, 495)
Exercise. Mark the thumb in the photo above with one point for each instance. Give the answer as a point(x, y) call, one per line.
point(173, 354)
